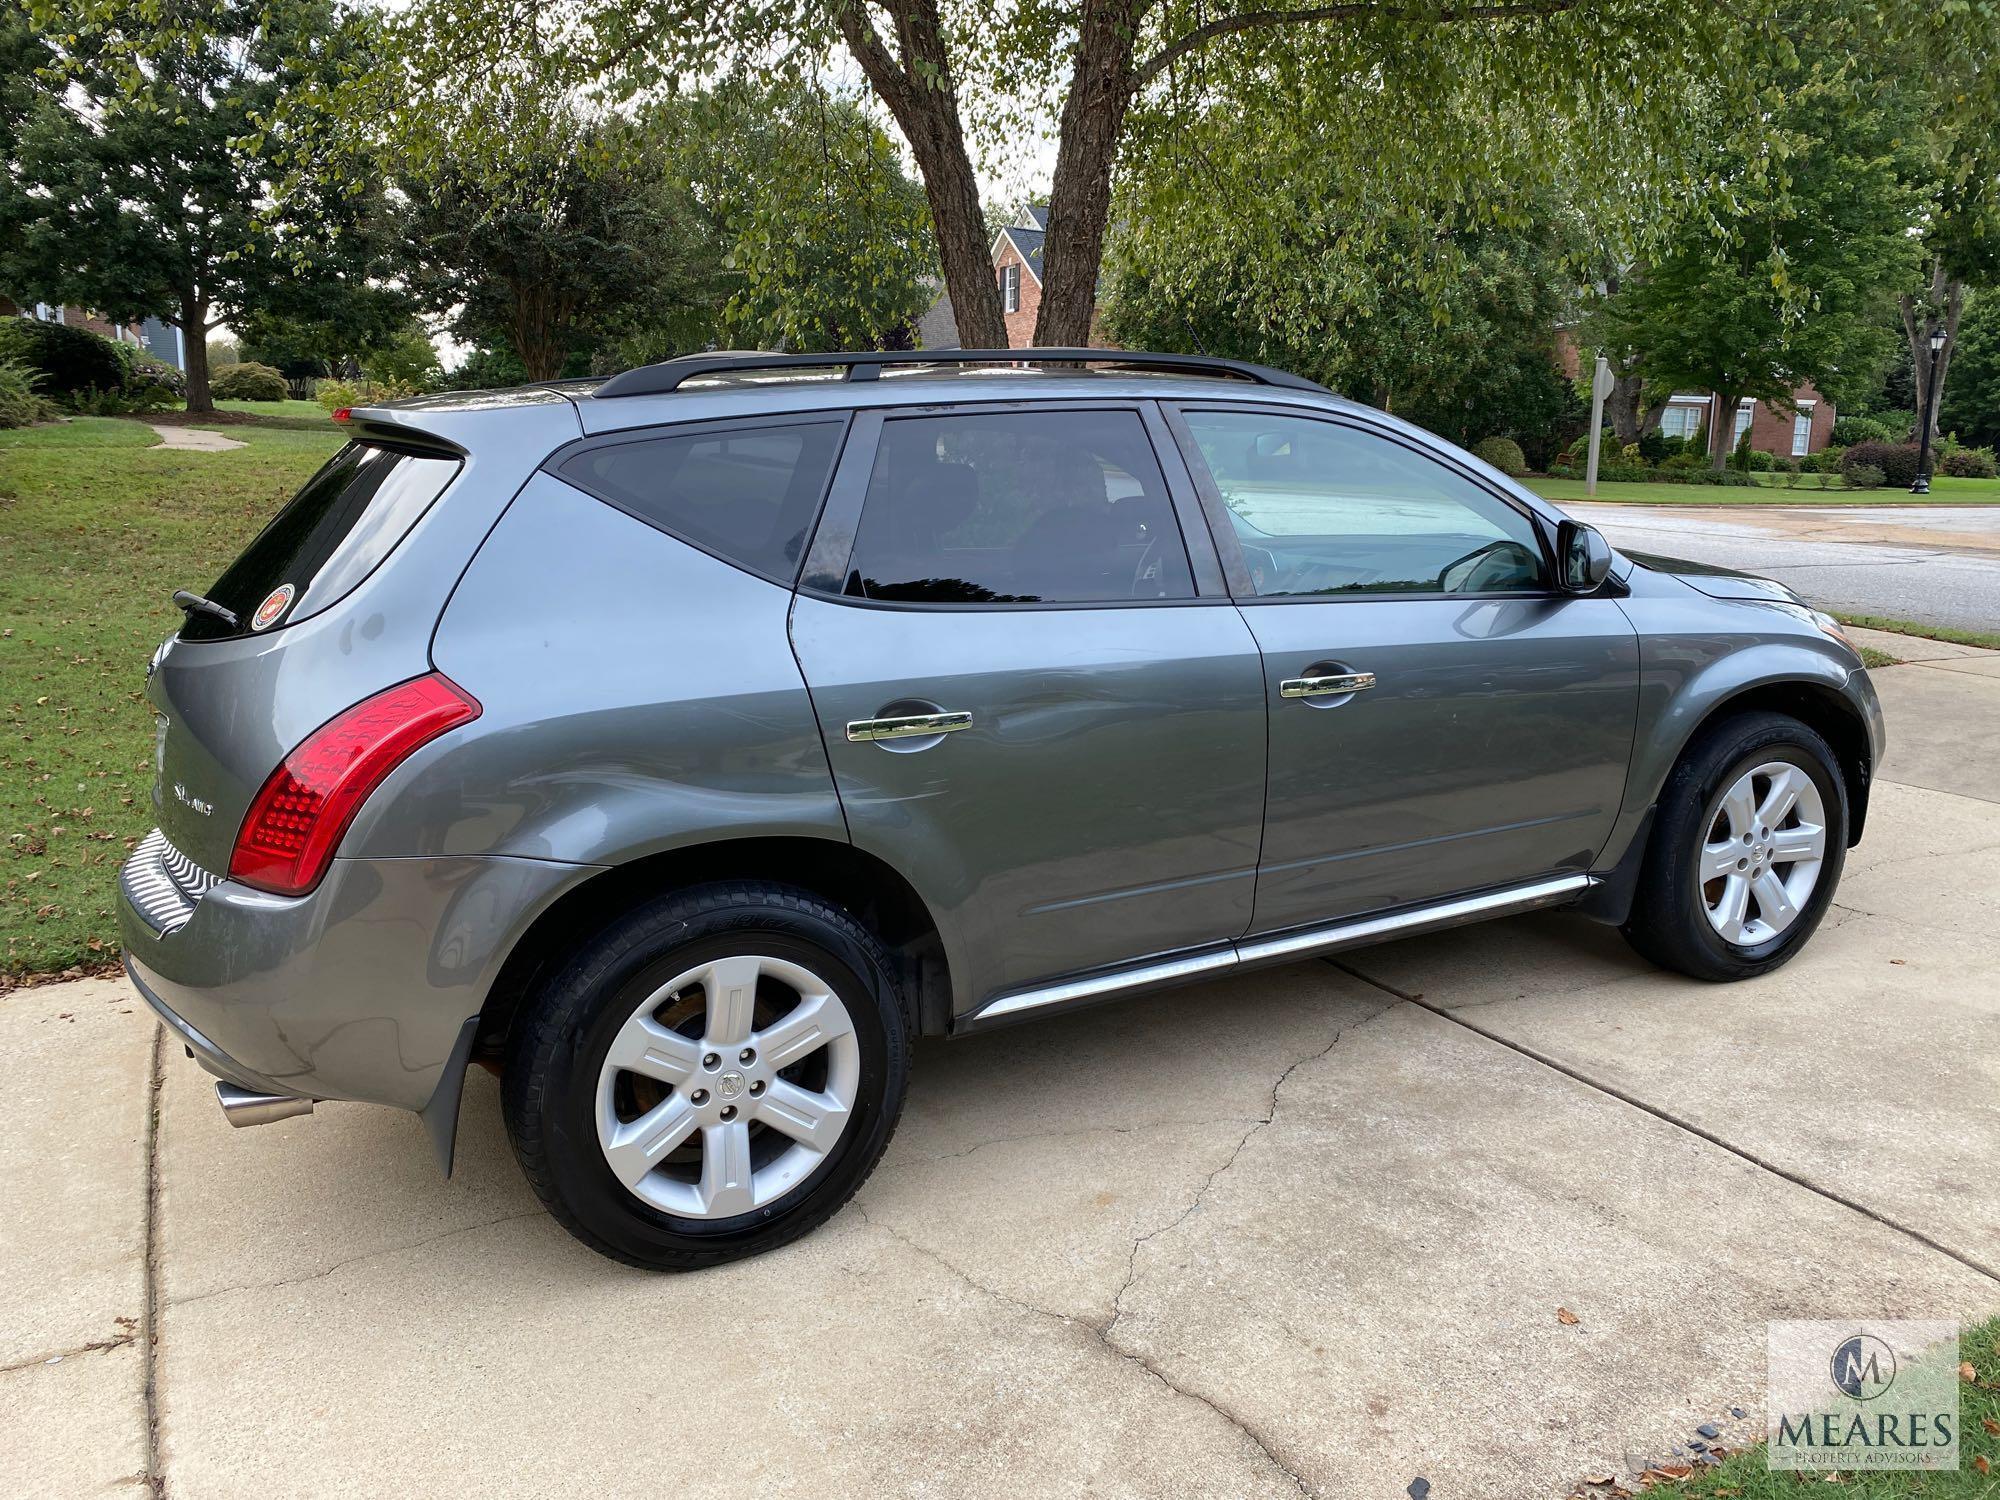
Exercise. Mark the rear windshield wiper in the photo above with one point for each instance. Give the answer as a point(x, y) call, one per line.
point(192, 602)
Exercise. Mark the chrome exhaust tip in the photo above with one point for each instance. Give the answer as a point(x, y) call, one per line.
point(241, 1107)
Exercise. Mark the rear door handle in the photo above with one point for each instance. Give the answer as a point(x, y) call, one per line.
point(908, 726)
point(1333, 684)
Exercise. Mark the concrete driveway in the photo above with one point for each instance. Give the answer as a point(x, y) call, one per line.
point(1319, 1230)
point(1937, 566)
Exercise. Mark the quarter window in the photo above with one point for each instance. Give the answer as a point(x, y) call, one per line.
point(1056, 507)
point(1320, 508)
point(747, 495)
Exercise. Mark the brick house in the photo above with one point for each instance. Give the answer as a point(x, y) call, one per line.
point(155, 337)
point(1788, 434)
point(1017, 267)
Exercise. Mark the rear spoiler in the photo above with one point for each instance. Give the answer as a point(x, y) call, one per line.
point(385, 427)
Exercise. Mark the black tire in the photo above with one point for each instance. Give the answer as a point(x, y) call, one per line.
point(1669, 923)
point(550, 1088)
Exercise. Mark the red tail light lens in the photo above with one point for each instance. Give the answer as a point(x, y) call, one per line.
point(297, 821)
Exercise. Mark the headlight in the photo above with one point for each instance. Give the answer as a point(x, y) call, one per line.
point(1820, 619)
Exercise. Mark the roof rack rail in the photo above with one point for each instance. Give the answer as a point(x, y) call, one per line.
point(669, 375)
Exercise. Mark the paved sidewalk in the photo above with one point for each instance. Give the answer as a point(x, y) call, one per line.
point(1306, 1231)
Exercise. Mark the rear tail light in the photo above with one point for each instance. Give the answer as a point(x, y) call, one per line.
point(303, 809)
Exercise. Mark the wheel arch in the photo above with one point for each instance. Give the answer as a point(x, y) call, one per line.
point(873, 890)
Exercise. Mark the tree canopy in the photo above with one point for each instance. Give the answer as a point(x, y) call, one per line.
point(146, 164)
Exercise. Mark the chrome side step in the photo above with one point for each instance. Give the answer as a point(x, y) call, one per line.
point(1301, 944)
point(242, 1108)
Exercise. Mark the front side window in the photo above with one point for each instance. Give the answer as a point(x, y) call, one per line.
point(1320, 508)
point(1680, 420)
point(1744, 412)
point(747, 495)
point(1055, 507)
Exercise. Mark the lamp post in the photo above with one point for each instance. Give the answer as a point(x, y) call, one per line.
point(1925, 417)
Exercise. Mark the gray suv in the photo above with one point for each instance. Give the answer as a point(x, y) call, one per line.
point(681, 746)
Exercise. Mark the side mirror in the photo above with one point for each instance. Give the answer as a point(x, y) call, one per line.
point(1584, 557)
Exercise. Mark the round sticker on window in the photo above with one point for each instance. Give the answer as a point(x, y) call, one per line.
point(274, 605)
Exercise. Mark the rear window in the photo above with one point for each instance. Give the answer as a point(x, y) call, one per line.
point(748, 495)
point(331, 535)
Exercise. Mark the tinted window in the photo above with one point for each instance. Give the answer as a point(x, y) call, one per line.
point(329, 537)
point(1321, 508)
point(1018, 507)
point(747, 495)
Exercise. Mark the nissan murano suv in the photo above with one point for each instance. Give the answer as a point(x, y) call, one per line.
point(683, 745)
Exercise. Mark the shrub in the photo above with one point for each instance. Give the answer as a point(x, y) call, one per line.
point(334, 394)
point(1739, 456)
point(1969, 463)
point(1897, 461)
point(1652, 447)
point(69, 360)
point(152, 382)
point(248, 382)
point(20, 403)
point(1864, 477)
point(1504, 454)
point(1863, 430)
point(1761, 462)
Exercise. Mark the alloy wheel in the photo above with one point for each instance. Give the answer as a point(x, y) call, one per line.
point(1761, 854)
point(727, 1086)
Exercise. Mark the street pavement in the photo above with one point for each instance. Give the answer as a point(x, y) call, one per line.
point(1497, 1208)
point(1937, 565)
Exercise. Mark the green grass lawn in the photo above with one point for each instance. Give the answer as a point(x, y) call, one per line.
point(1745, 1476)
point(98, 528)
point(1988, 639)
point(1944, 491)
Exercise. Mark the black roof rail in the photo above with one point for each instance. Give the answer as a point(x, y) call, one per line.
point(669, 375)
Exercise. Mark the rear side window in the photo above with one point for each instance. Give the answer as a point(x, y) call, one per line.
point(747, 495)
point(329, 537)
point(1051, 507)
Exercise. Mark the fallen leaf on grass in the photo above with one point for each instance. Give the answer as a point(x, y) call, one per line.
point(1966, 1372)
point(1990, 1425)
point(1982, 1464)
point(1565, 1317)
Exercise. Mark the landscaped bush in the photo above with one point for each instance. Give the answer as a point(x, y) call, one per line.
point(1762, 462)
point(248, 382)
point(1968, 463)
point(20, 403)
point(1652, 446)
point(1864, 476)
point(1897, 461)
point(1504, 454)
point(334, 394)
point(152, 382)
point(69, 360)
point(1863, 430)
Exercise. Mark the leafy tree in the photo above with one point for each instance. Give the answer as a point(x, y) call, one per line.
point(1971, 406)
point(569, 239)
point(149, 161)
point(828, 241)
point(1393, 89)
point(1455, 331)
point(1785, 273)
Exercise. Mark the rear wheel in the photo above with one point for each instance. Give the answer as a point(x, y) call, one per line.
point(713, 1076)
point(1746, 850)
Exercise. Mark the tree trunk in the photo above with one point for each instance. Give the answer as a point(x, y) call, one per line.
point(916, 85)
point(1621, 407)
point(1093, 117)
point(1945, 302)
point(1722, 428)
point(194, 352)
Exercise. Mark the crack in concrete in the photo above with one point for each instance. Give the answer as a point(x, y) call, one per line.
point(1103, 1335)
point(149, 1327)
point(1100, 1338)
point(95, 1346)
point(353, 1260)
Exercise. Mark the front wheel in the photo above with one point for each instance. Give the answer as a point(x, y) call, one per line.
point(711, 1077)
point(1746, 850)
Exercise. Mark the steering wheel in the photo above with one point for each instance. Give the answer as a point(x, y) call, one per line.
point(1495, 566)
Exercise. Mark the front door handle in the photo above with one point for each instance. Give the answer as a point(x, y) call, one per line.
point(908, 726)
point(1331, 685)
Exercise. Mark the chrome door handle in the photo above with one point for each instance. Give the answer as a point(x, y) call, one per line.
point(1325, 687)
point(908, 726)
